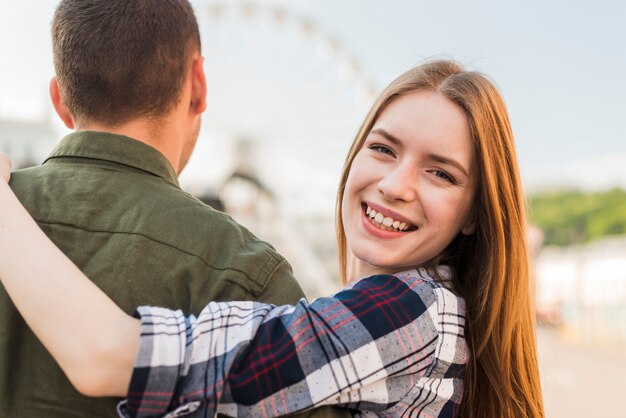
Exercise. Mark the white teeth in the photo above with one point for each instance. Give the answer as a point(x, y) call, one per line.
point(385, 222)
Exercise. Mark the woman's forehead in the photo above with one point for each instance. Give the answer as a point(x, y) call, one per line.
point(426, 119)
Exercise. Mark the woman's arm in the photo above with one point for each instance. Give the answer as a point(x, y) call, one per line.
point(93, 341)
point(387, 342)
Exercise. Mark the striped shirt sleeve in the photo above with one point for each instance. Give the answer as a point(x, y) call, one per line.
point(386, 344)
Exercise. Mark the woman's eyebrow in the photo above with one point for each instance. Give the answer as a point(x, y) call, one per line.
point(449, 161)
point(387, 135)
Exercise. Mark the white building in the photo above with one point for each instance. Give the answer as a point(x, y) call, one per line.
point(584, 289)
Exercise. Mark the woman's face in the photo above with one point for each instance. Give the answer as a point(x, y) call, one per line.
point(411, 186)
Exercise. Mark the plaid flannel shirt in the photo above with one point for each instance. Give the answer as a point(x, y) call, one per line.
point(386, 345)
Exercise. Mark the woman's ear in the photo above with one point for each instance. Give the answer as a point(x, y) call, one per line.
point(469, 228)
point(57, 102)
point(471, 218)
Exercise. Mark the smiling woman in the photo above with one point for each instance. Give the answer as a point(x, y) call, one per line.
point(429, 209)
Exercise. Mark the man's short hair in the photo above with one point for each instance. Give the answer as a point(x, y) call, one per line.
point(117, 60)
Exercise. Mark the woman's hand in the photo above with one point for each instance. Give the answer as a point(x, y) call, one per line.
point(5, 167)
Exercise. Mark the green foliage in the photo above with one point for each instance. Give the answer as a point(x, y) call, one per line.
point(572, 217)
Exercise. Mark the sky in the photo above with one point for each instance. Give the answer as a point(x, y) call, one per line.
point(298, 84)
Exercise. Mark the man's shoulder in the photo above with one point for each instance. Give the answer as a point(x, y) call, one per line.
point(150, 208)
point(120, 190)
point(226, 245)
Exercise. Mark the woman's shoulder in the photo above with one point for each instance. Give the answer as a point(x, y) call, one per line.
point(440, 274)
point(446, 309)
point(422, 292)
point(435, 287)
point(438, 280)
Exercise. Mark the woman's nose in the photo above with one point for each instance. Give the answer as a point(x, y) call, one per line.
point(399, 184)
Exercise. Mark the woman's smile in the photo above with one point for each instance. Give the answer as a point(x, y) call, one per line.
point(386, 220)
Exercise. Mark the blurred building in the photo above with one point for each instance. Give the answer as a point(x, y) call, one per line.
point(583, 290)
point(26, 142)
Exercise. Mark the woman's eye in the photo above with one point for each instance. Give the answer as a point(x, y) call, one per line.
point(382, 148)
point(445, 176)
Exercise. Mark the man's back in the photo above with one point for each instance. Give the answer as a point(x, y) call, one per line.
point(113, 206)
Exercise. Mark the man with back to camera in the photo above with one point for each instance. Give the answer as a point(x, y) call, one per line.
point(130, 82)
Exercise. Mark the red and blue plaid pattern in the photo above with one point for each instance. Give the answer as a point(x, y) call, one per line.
point(387, 345)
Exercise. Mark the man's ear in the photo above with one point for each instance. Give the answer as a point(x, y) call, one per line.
point(57, 102)
point(198, 85)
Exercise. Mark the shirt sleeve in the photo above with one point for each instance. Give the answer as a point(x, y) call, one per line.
point(373, 346)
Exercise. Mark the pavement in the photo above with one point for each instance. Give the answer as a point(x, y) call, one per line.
point(581, 379)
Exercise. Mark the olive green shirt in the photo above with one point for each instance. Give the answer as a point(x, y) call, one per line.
point(114, 207)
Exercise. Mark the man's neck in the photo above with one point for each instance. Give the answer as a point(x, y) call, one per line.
point(156, 133)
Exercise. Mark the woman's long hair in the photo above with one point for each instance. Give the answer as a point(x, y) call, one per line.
point(492, 265)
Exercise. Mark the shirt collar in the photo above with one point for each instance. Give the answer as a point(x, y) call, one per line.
point(115, 148)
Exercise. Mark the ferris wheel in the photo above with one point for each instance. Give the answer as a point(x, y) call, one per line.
point(285, 85)
point(285, 99)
